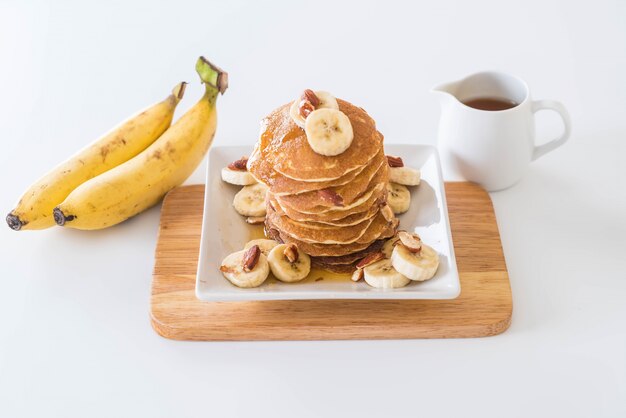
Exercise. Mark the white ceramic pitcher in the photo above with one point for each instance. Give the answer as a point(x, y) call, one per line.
point(492, 148)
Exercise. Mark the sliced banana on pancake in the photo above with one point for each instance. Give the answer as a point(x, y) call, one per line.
point(288, 264)
point(246, 268)
point(382, 275)
point(398, 198)
point(328, 131)
point(404, 175)
point(250, 200)
point(326, 100)
point(413, 259)
point(321, 100)
point(294, 112)
point(266, 245)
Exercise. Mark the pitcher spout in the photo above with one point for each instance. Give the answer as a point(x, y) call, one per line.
point(446, 92)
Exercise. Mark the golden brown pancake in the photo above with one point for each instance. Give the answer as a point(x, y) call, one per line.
point(326, 210)
point(377, 197)
point(352, 219)
point(284, 145)
point(321, 250)
point(326, 234)
point(314, 250)
point(371, 176)
point(281, 185)
point(365, 232)
point(352, 258)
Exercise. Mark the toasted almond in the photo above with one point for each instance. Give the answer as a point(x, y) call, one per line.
point(370, 259)
point(310, 96)
point(394, 161)
point(227, 269)
point(291, 253)
point(305, 108)
point(251, 258)
point(331, 196)
point(357, 275)
point(412, 242)
point(240, 164)
point(387, 213)
point(255, 220)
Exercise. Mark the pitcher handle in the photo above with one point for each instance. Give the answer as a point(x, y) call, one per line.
point(567, 124)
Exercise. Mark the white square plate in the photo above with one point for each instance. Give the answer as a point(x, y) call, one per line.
point(224, 231)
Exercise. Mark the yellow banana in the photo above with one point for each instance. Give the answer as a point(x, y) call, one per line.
point(34, 209)
point(141, 182)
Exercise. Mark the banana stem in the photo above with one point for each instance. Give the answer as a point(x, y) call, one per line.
point(179, 91)
point(215, 79)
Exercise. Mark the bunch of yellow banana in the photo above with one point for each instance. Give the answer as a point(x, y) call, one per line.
point(130, 168)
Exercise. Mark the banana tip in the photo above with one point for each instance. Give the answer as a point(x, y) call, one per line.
point(60, 218)
point(14, 222)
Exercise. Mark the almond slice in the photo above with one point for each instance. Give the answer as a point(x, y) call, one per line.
point(394, 161)
point(357, 275)
point(310, 96)
point(305, 108)
point(255, 220)
point(370, 259)
point(387, 213)
point(291, 253)
point(412, 242)
point(251, 258)
point(240, 164)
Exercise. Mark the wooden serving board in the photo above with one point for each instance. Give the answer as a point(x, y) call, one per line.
point(483, 308)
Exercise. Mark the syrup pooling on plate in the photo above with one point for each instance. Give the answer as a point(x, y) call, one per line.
point(327, 195)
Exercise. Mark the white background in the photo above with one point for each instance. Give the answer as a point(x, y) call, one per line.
point(75, 339)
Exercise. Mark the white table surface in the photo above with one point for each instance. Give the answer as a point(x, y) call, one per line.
point(76, 339)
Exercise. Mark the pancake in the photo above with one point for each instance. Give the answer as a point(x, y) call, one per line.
point(366, 232)
point(284, 146)
point(281, 185)
point(352, 258)
point(340, 269)
point(351, 219)
point(377, 197)
point(326, 250)
point(320, 250)
point(374, 174)
point(325, 210)
point(317, 233)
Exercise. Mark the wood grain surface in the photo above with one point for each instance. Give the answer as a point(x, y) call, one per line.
point(483, 308)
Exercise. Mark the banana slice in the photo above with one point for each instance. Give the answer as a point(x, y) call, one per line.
point(233, 269)
point(266, 245)
point(294, 112)
point(404, 175)
point(398, 197)
point(418, 266)
point(237, 177)
point(250, 200)
point(389, 245)
point(288, 264)
point(325, 99)
point(328, 131)
point(382, 275)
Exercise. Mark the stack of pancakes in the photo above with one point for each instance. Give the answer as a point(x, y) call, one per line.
point(333, 207)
